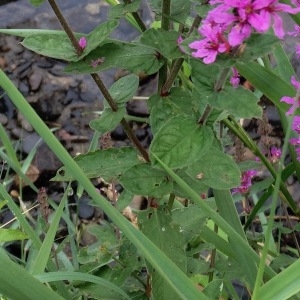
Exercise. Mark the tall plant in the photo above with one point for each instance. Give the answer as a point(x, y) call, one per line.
point(199, 99)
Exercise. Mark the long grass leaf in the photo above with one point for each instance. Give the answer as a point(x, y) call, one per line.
point(83, 277)
point(284, 285)
point(16, 283)
point(42, 257)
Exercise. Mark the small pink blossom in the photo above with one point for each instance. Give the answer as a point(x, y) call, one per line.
point(275, 154)
point(211, 46)
point(295, 103)
point(296, 31)
point(82, 42)
point(296, 124)
point(246, 182)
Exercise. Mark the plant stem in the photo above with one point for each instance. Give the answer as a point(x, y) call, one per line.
point(98, 80)
point(165, 12)
point(137, 18)
point(218, 87)
point(104, 91)
point(165, 25)
point(136, 119)
point(222, 79)
point(129, 132)
point(178, 62)
point(65, 26)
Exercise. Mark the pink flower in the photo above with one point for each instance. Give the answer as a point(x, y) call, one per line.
point(271, 10)
point(82, 42)
point(295, 103)
point(275, 154)
point(296, 124)
point(298, 51)
point(296, 2)
point(296, 31)
point(246, 182)
point(211, 46)
point(235, 78)
point(298, 153)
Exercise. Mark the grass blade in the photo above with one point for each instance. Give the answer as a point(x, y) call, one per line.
point(16, 283)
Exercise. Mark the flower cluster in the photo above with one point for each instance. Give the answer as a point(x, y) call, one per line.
point(295, 103)
point(231, 22)
point(246, 182)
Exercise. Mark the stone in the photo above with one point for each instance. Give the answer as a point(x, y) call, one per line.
point(3, 119)
point(85, 210)
point(35, 79)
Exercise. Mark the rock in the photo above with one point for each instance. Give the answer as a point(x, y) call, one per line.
point(140, 133)
point(29, 141)
point(138, 108)
point(3, 119)
point(119, 133)
point(24, 123)
point(35, 79)
point(85, 210)
point(23, 88)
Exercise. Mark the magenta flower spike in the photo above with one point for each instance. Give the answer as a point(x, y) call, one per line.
point(295, 103)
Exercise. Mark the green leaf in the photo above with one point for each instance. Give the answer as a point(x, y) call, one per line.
point(165, 42)
point(180, 9)
point(108, 120)
point(109, 164)
point(98, 36)
point(191, 219)
point(181, 141)
point(284, 285)
point(158, 226)
point(257, 46)
point(132, 57)
point(192, 182)
point(7, 235)
point(144, 180)
point(3, 203)
point(164, 108)
point(239, 102)
point(216, 162)
point(204, 77)
point(124, 89)
point(55, 46)
point(105, 234)
point(124, 200)
point(83, 277)
point(36, 3)
point(121, 91)
point(122, 9)
point(267, 82)
point(28, 287)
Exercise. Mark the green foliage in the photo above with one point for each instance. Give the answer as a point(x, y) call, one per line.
point(7, 235)
point(180, 141)
point(184, 245)
point(110, 164)
point(165, 42)
point(122, 9)
point(205, 168)
point(115, 54)
point(36, 2)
